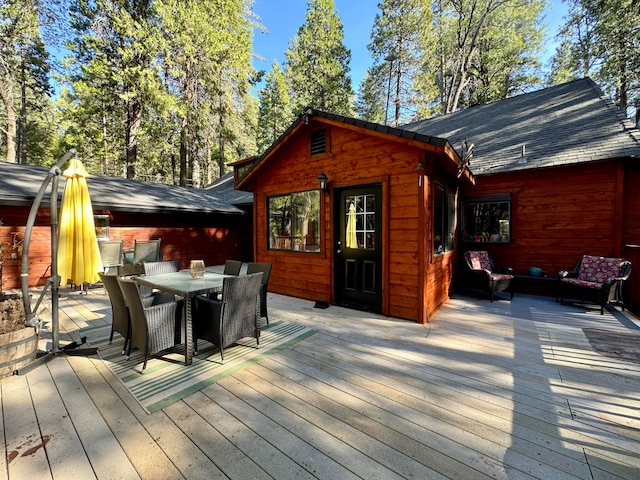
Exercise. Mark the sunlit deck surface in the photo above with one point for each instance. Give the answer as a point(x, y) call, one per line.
point(509, 389)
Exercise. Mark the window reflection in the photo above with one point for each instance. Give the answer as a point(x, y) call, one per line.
point(360, 221)
point(294, 221)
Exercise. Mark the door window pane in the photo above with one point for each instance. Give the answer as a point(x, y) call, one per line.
point(360, 221)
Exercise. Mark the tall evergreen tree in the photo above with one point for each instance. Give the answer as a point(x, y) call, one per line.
point(207, 64)
point(603, 39)
point(399, 36)
point(275, 113)
point(23, 69)
point(372, 99)
point(317, 62)
point(111, 56)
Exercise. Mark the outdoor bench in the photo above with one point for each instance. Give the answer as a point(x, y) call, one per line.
point(595, 278)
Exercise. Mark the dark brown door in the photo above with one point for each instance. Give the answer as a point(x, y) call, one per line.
point(358, 248)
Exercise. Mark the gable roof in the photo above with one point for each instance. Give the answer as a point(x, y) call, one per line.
point(19, 185)
point(223, 188)
point(560, 125)
point(415, 138)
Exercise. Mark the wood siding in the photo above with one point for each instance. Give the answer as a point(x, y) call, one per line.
point(354, 158)
point(187, 237)
point(559, 214)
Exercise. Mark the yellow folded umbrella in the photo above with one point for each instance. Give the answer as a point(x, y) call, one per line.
point(352, 241)
point(78, 255)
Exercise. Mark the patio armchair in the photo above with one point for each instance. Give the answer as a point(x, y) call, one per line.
point(232, 267)
point(154, 328)
point(120, 321)
point(483, 275)
point(237, 315)
point(265, 268)
point(599, 279)
point(146, 251)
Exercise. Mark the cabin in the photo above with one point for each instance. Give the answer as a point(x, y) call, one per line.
point(557, 174)
point(357, 214)
point(190, 223)
point(377, 218)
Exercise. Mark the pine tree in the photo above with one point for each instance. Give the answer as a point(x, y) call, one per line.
point(23, 68)
point(112, 74)
point(604, 41)
point(275, 108)
point(317, 62)
point(399, 36)
point(371, 102)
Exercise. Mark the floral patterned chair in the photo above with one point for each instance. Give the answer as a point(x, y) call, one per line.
point(483, 275)
point(595, 278)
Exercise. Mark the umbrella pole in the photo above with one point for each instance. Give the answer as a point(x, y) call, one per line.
point(31, 220)
point(54, 280)
point(55, 285)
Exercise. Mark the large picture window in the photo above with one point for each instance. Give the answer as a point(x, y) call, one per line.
point(294, 221)
point(487, 219)
point(444, 219)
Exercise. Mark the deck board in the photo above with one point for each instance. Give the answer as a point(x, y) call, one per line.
point(504, 390)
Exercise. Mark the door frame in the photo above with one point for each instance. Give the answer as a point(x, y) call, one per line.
point(334, 233)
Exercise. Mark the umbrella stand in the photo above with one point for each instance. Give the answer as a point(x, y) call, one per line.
point(53, 281)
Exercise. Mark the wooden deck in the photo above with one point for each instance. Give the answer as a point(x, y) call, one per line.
point(508, 390)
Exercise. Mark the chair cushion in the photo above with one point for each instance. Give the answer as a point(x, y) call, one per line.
point(582, 283)
point(599, 269)
point(497, 277)
point(479, 260)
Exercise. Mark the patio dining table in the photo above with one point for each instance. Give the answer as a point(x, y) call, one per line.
point(182, 284)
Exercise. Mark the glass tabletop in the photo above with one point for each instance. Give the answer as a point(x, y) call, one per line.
point(181, 283)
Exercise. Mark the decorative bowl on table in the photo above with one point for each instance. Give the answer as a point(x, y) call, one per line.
point(196, 268)
point(535, 271)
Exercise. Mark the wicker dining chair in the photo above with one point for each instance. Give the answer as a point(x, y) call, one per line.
point(111, 255)
point(154, 328)
point(120, 321)
point(232, 267)
point(265, 268)
point(146, 251)
point(149, 297)
point(236, 316)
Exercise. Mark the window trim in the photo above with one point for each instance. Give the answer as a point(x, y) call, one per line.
point(448, 224)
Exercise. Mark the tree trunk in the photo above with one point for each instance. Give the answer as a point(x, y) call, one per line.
point(7, 98)
point(183, 153)
point(134, 120)
point(23, 119)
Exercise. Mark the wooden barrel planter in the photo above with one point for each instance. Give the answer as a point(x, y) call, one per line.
point(18, 344)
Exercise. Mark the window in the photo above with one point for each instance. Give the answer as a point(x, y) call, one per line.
point(487, 219)
point(102, 226)
point(444, 219)
point(294, 221)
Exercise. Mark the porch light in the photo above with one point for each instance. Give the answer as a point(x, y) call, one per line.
point(323, 182)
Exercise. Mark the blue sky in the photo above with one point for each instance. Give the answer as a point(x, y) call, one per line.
point(282, 18)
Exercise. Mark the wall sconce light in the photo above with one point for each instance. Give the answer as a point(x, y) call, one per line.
point(323, 182)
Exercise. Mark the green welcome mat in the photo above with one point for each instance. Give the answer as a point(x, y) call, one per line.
point(167, 379)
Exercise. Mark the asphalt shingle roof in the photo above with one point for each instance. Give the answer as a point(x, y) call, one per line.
point(19, 185)
point(560, 125)
point(223, 188)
